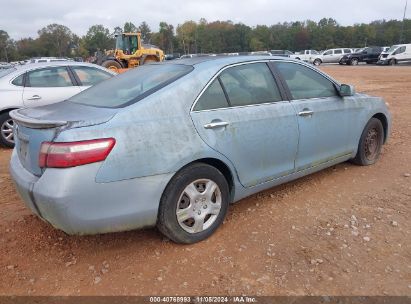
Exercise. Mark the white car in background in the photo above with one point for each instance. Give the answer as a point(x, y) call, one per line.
point(39, 84)
point(311, 56)
point(335, 55)
point(395, 54)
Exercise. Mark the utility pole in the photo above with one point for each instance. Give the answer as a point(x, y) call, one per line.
point(403, 21)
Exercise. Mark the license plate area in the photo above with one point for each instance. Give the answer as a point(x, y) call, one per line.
point(22, 146)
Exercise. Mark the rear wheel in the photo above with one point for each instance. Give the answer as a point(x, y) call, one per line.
point(193, 204)
point(317, 62)
point(6, 131)
point(112, 65)
point(371, 141)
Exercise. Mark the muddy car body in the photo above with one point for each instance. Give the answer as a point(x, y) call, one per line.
point(208, 132)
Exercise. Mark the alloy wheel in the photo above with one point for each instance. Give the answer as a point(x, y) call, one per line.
point(7, 131)
point(199, 205)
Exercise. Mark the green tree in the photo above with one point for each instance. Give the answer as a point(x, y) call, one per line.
point(98, 38)
point(55, 40)
point(129, 27)
point(145, 31)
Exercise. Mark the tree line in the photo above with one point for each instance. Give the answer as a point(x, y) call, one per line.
point(209, 37)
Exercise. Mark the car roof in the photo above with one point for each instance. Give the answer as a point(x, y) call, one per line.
point(222, 60)
point(19, 69)
point(29, 66)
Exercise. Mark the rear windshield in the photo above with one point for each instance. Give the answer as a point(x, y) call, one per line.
point(132, 86)
point(4, 72)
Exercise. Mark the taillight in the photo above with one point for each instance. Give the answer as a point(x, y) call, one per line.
point(72, 154)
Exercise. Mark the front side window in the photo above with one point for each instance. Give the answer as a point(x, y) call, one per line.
point(212, 98)
point(305, 83)
point(130, 87)
point(400, 50)
point(89, 76)
point(250, 84)
point(49, 77)
point(328, 53)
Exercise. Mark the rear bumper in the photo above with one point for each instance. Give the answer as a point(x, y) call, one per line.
point(72, 201)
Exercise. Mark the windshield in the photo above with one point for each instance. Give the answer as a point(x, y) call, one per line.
point(393, 48)
point(4, 72)
point(128, 88)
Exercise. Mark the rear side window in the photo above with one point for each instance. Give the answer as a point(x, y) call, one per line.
point(89, 76)
point(49, 77)
point(132, 86)
point(18, 81)
point(305, 83)
point(250, 84)
point(347, 51)
point(212, 98)
point(338, 52)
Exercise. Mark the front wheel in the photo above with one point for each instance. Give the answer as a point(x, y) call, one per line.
point(371, 141)
point(193, 204)
point(392, 62)
point(6, 131)
point(112, 65)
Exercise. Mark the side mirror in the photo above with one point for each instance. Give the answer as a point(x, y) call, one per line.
point(347, 90)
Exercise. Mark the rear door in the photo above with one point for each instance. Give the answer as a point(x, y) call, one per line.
point(324, 118)
point(337, 56)
point(243, 115)
point(48, 85)
point(327, 56)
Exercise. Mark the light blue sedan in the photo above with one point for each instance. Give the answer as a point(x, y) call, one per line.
point(173, 144)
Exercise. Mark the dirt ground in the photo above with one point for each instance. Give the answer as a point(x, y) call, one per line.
point(342, 231)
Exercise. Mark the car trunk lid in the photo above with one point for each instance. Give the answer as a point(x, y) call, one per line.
point(36, 125)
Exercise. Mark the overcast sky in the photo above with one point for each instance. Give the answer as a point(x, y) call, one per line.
point(23, 18)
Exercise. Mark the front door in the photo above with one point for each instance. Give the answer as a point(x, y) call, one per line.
point(243, 116)
point(324, 118)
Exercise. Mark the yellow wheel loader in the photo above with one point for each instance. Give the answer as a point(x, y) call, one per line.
point(130, 52)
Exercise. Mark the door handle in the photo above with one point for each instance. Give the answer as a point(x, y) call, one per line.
point(305, 113)
point(213, 125)
point(34, 97)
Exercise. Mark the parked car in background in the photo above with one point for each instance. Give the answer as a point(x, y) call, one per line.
point(397, 53)
point(368, 55)
point(48, 59)
point(5, 65)
point(334, 55)
point(38, 84)
point(281, 53)
point(173, 144)
point(311, 56)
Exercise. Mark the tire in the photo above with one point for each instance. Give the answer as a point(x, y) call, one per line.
point(112, 65)
point(203, 213)
point(354, 61)
point(340, 62)
point(371, 141)
point(392, 62)
point(317, 62)
point(6, 131)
